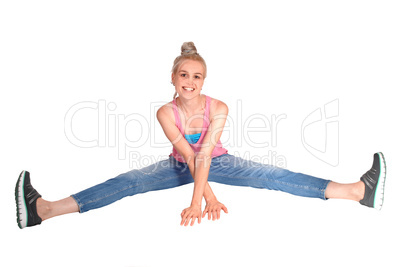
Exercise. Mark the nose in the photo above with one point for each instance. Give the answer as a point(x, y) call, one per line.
point(190, 81)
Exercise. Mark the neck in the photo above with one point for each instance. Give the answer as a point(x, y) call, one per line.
point(191, 105)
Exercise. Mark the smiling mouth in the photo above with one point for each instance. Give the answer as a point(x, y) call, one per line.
point(188, 89)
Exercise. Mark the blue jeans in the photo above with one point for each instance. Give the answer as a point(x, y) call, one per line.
point(225, 169)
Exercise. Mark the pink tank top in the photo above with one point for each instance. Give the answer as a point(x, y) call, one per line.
point(218, 150)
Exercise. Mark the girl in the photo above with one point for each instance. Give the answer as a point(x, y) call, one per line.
point(193, 123)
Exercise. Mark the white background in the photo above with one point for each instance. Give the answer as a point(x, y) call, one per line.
point(277, 57)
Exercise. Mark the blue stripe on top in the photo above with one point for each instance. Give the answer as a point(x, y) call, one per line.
point(192, 138)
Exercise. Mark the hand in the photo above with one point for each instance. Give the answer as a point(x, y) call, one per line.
point(191, 214)
point(213, 208)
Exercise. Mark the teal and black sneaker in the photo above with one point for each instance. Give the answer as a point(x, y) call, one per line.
point(25, 198)
point(374, 181)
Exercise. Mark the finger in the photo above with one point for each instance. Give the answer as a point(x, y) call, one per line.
point(205, 212)
point(194, 219)
point(225, 209)
point(209, 215)
point(183, 220)
point(218, 214)
point(214, 215)
point(188, 221)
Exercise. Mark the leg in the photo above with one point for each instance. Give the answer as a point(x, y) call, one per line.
point(228, 169)
point(161, 175)
point(369, 191)
point(353, 191)
point(47, 209)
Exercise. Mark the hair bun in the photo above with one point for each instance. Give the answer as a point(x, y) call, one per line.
point(188, 48)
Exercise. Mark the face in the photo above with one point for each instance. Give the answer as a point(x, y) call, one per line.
point(189, 79)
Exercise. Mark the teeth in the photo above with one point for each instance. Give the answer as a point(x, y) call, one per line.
point(188, 89)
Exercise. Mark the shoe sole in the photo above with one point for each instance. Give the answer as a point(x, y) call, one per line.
point(379, 191)
point(22, 211)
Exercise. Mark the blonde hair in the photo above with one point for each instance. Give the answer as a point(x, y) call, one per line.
point(188, 51)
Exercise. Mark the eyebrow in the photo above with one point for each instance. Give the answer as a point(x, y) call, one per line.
point(194, 73)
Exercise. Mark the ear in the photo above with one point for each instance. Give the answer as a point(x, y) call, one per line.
point(173, 78)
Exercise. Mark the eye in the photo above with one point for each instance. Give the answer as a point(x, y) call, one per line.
point(197, 77)
point(183, 75)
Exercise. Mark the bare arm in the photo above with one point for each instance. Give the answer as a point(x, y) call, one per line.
point(167, 122)
point(198, 166)
point(203, 163)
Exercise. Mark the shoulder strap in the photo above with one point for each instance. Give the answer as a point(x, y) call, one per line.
point(207, 107)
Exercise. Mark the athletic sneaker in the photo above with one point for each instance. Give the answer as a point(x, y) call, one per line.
point(25, 198)
point(374, 181)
